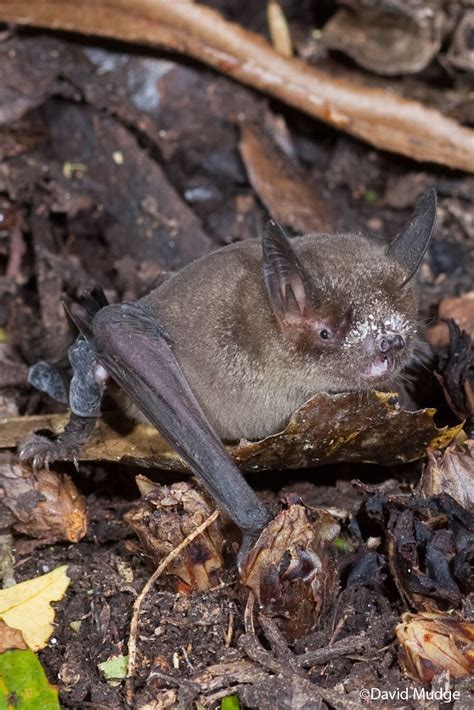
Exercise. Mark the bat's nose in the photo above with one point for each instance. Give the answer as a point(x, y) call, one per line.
point(386, 343)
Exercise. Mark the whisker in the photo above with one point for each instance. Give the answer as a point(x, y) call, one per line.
point(426, 321)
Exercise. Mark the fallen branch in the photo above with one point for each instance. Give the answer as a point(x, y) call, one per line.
point(379, 117)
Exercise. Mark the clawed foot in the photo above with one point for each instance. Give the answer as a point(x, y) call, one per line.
point(40, 450)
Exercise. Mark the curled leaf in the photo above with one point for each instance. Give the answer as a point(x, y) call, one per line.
point(456, 372)
point(461, 50)
point(164, 517)
point(430, 551)
point(326, 429)
point(429, 543)
point(451, 472)
point(291, 568)
point(433, 643)
point(386, 42)
point(42, 504)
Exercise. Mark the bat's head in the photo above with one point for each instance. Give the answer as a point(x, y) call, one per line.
point(347, 302)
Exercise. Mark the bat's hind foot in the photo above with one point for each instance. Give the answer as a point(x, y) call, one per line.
point(40, 450)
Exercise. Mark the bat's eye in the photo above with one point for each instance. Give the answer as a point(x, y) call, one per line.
point(325, 334)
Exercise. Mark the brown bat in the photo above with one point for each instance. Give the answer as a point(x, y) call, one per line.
point(230, 346)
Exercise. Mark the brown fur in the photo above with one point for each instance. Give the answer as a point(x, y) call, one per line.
point(247, 372)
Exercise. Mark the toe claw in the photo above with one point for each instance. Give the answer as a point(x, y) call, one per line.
point(40, 451)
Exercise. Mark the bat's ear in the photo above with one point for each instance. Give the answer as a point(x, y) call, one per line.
point(284, 275)
point(410, 244)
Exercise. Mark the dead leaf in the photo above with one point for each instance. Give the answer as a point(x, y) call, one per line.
point(384, 42)
point(164, 517)
point(43, 504)
point(455, 373)
point(461, 310)
point(326, 429)
point(433, 643)
point(27, 606)
point(10, 638)
point(288, 194)
point(430, 543)
point(291, 568)
point(461, 51)
point(451, 472)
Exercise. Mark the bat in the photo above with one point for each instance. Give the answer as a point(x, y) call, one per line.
point(231, 345)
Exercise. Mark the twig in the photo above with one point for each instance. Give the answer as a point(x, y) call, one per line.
point(378, 116)
point(344, 647)
point(173, 680)
point(17, 252)
point(230, 630)
point(249, 623)
point(313, 692)
point(132, 641)
point(250, 644)
point(278, 643)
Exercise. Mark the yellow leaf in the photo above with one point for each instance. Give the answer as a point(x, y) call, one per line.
point(27, 606)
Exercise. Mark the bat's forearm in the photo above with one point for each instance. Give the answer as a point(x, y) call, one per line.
point(131, 345)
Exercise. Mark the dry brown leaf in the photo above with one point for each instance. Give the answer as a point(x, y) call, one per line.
point(433, 643)
point(461, 310)
point(387, 43)
point(451, 472)
point(42, 504)
point(291, 569)
point(461, 52)
point(287, 193)
point(327, 429)
point(164, 517)
point(11, 638)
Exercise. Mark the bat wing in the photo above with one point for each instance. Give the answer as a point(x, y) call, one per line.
point(130, 344)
